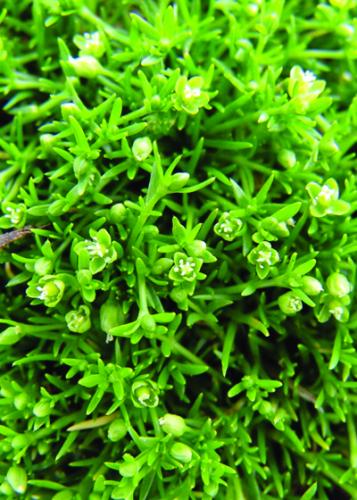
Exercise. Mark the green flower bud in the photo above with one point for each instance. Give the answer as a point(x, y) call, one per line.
point(42, 408)
point(287, 158)
point(155, 102)
point(150, 231)
point(145, 393)
point(110, 315)
point(311, 285)
point(117, 213)
point(161, 265)
point(43, 266)
point(17, 479)
point(43, 447)
point(10, 335)
point(338, 285)
point(78, 320)
point(117, 430)
point(173, 424)
point(290, 303)
point(86, 66)
point(148, 323)
point(181, 452)
point(21, 401)
point(178, 181)
point(20, 441)
point(142, 148)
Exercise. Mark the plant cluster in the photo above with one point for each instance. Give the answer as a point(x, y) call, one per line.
point(177, 257)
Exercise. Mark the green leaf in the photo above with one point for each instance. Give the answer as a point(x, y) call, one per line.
point(287, 212)
point(310, 492)
point(264, 190)
point(67, 445)
point(90, 380)
point(336, 351)
point(227, 347)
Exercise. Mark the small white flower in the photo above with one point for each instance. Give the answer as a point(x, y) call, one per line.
point(14, 214)
point(95, 249)
point(185, 267)
point(337, 312)
point(264, 256)
point(325, 196)
point(190, 92)
point(43, 293)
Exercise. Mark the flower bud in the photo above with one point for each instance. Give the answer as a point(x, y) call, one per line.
point(150, 231)
point(42, 408)
point(142, 148)
point(196, 248)
point(117, 430)
point(110, 315)
point(21, 401)
point(10, 335)
point(311, 285)
point(290, 303)
point(20, 442)
point(181, 452)
point(86, 66)
point(287, 158)
point(117, 213)
point(43, 266)
point(178, 181)
point(148, 323)
point(43, 447)
point(161, 265)
point(338, 285)
point(17, 479)
point(173, 424)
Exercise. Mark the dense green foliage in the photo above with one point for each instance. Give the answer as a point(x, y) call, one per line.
point(177, 300)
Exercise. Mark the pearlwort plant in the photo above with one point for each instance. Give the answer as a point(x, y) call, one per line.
point(178, 249)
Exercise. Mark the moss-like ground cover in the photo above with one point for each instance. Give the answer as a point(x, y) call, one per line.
point(177, 246)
